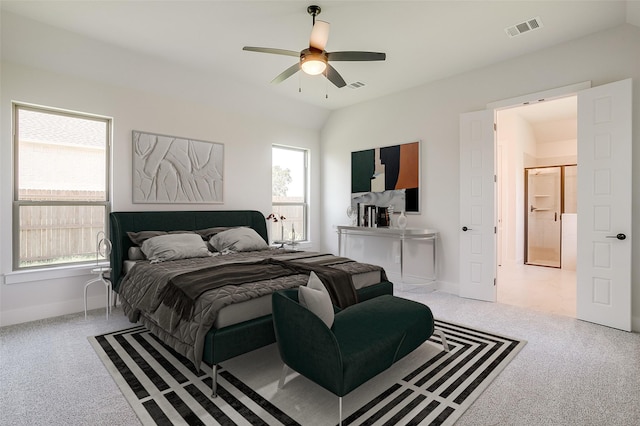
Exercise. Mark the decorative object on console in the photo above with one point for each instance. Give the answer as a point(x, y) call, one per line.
point(169, 169)
point(382, 217)
point(352, 214)
point(371, 216)
point(387, 176)
point(402, 220)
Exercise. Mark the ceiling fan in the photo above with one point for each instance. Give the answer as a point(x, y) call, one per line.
point(315, 59)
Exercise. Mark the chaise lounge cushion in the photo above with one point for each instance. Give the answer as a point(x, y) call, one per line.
point(377, 334)
point(366, 338)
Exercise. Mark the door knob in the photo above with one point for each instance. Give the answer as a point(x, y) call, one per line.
point(465, 229)
point(618, 236)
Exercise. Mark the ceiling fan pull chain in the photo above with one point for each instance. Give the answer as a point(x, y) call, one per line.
point(326, 86)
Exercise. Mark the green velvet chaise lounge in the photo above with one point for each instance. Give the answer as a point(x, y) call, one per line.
point(364, 340)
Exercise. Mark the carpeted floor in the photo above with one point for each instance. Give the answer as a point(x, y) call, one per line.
point(569, 373)
point(428, 387)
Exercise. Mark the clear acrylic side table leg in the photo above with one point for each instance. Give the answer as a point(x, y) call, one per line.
point(107, 284)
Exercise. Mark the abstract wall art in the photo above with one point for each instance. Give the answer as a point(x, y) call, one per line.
point(387, 176)
point(169, 169)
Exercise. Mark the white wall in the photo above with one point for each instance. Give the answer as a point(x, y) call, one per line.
point(431, 113)
point(247, 173)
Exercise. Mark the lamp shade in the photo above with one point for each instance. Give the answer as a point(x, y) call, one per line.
point(314, 67)
point(313, 63)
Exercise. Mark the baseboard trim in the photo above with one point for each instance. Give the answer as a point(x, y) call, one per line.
point(40, 312)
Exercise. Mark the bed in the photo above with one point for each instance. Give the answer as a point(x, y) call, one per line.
point(242, 316)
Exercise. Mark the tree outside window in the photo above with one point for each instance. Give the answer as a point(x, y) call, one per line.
point(289, 194)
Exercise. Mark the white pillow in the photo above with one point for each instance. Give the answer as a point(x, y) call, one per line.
point(174, 246)
point(315, 297)
point(238, 239)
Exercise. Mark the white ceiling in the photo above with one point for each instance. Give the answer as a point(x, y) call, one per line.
point(424, 40)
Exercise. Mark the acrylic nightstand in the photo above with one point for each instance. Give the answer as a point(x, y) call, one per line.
point(101, 271)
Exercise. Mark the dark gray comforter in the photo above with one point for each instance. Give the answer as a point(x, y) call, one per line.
point(142, 288)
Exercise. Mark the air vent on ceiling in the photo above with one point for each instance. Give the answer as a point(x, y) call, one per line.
point(356, 85)
point(523, 27)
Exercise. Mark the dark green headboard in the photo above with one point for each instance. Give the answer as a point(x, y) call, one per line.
point(123, 222)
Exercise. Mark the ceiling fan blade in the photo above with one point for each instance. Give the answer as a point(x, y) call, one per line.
point(334, 77)
point(356, 56)
point(319, 35)
point(286, 73)
point(272, 50)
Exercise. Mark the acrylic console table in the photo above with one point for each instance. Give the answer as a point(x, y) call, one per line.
point(402, 235)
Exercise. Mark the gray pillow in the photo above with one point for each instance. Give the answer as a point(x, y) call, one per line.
point(174, 247)
point(135, 253)
point(140, 237)
point(315, 297)
point(238, 239)
point(207, 233)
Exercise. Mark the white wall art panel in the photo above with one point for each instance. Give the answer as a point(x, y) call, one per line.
point(169, 169)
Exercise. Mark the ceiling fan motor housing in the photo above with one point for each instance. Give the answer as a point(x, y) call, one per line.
point(314, 10)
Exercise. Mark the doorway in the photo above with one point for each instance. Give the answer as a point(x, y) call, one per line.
point(543, 191)
point(536, 205)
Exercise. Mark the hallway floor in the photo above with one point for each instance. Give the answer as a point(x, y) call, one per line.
point(550, 290)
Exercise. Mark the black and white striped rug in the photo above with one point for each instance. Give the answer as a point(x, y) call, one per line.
point(428, 387)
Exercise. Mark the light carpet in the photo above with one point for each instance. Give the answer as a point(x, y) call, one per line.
point(427, 387)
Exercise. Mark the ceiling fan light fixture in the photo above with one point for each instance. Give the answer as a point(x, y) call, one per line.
point(315, 59)
point(313, 63)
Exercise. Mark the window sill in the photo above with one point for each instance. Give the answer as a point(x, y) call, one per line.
point(31, 275)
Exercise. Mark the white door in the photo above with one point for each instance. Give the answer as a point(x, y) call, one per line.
point(604, 205)
point(477, 208)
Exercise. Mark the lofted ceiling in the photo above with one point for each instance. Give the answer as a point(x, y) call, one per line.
point(424, 40)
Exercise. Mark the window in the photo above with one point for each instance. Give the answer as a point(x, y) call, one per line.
point(61, 197)
point(289, 193)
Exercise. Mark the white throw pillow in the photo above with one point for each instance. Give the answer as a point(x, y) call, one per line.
point(238, 239)
point(315, 297)
point(174, 247)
